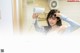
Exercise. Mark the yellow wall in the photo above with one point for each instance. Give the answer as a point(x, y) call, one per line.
point(64, 6)
point(42, 3)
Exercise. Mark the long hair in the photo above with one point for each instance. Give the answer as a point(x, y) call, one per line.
point(50, 14)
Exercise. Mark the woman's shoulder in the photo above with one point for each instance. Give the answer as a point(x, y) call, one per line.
point(62, 28)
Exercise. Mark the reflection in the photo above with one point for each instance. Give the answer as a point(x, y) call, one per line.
point(27, 8)
point(54, 20)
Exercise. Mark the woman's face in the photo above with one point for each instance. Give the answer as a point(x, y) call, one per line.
point(52, 21)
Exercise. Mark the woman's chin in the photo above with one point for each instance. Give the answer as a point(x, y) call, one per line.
point(52, 24)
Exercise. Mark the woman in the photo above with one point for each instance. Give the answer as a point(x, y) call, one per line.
point(54, 21)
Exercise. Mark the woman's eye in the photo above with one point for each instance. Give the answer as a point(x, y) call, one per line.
point(53, 18)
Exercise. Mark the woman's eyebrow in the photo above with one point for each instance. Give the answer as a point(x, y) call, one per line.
point(54, 16)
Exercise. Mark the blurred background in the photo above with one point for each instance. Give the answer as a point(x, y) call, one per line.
point(16, 15)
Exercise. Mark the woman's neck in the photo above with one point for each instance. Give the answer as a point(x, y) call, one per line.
point(54, 27)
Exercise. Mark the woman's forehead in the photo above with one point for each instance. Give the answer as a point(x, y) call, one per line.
point(53, 16)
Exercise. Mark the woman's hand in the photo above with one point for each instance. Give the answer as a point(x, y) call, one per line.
point(35, 15)
point(58, 14)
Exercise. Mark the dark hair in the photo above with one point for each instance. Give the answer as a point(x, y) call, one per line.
point(50, 14)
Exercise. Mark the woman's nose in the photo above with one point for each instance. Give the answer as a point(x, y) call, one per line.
point(51, 19)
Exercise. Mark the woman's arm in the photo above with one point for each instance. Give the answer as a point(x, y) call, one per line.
point(73, 25)
point(35, 22)
point(37, 27)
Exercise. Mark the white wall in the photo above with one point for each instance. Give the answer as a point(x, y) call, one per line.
point(6, 25)
point(71, 9)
